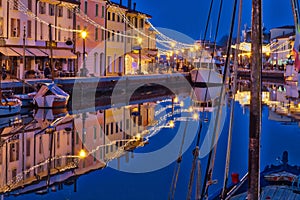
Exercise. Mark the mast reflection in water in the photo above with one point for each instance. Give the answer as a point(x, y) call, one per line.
point(59, 154)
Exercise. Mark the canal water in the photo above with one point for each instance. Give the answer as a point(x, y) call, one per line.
point(130, 152)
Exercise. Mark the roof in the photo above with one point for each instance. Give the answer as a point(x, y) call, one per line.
point(132, 11)
point(285, 27)
point(285, 35)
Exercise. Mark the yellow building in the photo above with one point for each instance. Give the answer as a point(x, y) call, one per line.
point(114, 39)
point(140, 50)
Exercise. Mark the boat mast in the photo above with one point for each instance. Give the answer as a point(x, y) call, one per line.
point(295, 9)
point(255, 102)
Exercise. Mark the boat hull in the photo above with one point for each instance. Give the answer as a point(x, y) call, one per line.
point(10, 107)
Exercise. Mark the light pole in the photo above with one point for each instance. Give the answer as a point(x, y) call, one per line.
point(140, 40)
point(84, 70)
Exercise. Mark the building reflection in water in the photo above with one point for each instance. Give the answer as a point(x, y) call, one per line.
point(53, 146)
point(282, 100)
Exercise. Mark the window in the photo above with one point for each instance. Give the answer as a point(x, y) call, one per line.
point(122, 38)
point(29, 6)
point(15, 27)
point(120, 64)
point(141, 23)
point(97, 10)
point(77, 137)
point(42, 7)
point(0, 3)
point(101, 62)
point(28, 147)
point(95, 128)
point(58, 140)
point(100, 156)
point(119, 18)
point(85, 7)
point(60, 11)
point(109, 64)
point(102, 12)
point(40, 145)
point(113, 16)
point(41, 30)
point(102, 35)
point(135, 22)
point(118, 36)
point(1, 26)
point(95, 70)
point(121, 126)
point(59, 34)
point(69, 14)
point(117, 127)
point(51, 10)
point(96, 34)
point(16, 4)
point(29, 27)
point(111, 128)
point(113, 36)
point(129, 20)
point(108, 15)
point(106, 130)
point(108, 36)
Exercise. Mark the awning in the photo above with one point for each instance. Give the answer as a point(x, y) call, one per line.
point(8, 51)
point(136, 56)
point(20, 51)
point(61, 53)
point(37, 52)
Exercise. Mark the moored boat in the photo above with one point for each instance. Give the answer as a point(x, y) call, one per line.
point(51, 96)
point(10, 106)
point(276, 181)
point(27, 99)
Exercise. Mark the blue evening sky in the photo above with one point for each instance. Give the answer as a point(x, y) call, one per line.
point(189, 17)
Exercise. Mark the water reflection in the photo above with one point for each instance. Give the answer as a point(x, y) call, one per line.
point(52, 146)
point(282, 100)
point(40, 152)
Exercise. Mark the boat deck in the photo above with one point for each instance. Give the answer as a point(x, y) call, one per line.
point(274, 192)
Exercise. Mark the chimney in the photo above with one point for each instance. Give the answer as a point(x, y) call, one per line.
point(121, 2)
point(129, 4)
point(134, 6)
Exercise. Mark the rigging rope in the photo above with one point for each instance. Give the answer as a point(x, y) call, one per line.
point(232, 106)
point(209, 168)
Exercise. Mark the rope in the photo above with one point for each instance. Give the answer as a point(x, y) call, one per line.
point(228, 153)
point(209, 167)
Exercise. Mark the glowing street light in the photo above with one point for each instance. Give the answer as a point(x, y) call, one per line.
point(195, 116)
point(82, 154)
point(171, 124)
point(83, 35)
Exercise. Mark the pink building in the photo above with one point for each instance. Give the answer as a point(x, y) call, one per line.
point(95, 40)
point(24, 24)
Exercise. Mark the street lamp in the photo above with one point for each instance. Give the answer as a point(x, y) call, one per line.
point(84, 70)
point(140, 40)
